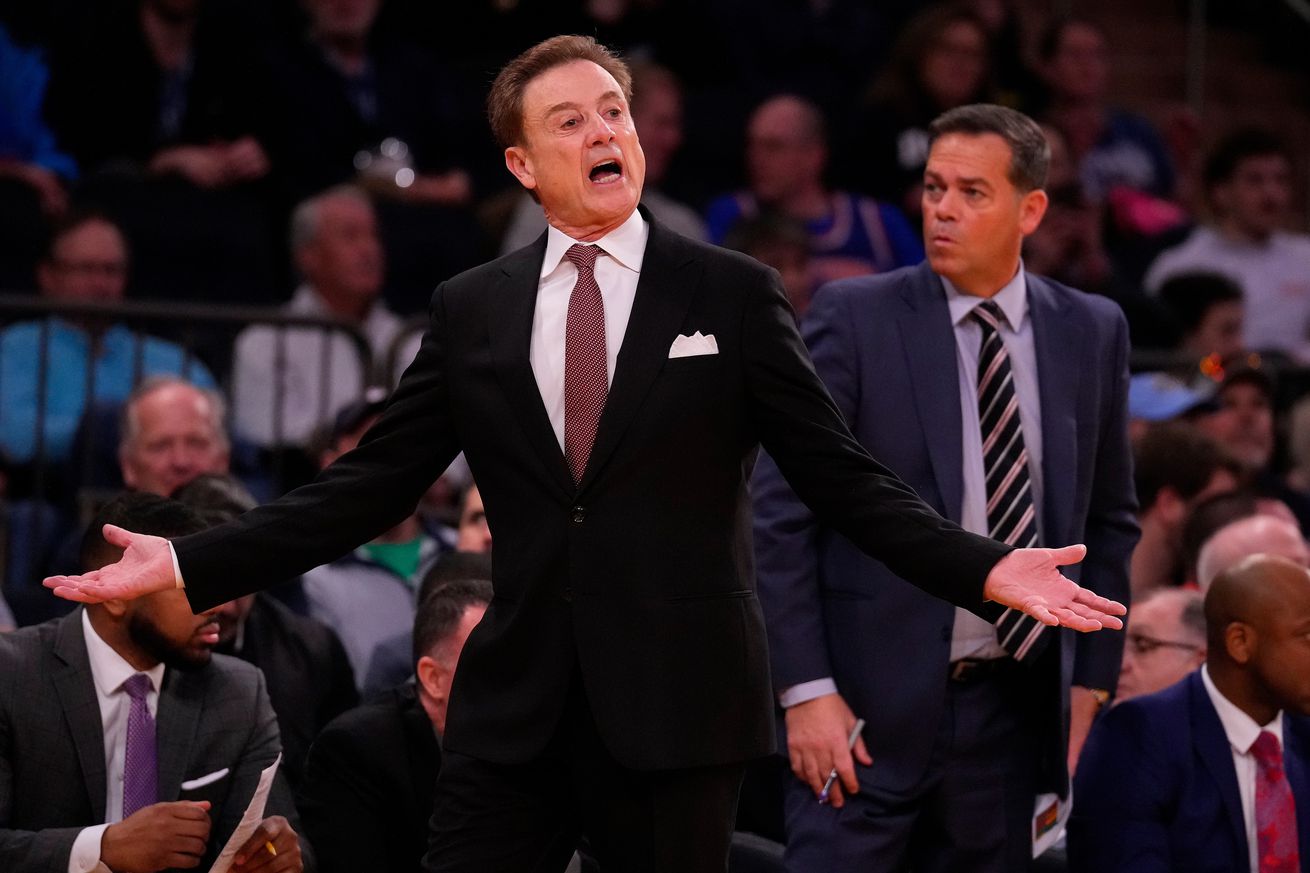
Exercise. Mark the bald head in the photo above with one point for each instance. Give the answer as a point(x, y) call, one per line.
point(1256, 535)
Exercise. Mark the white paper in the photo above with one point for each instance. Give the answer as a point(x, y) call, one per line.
point(1049, 816)
point(249, 821)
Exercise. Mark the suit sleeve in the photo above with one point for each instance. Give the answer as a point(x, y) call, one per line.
point(1121, 812)
point(365, 492)
point(343, 808)
point(786, 531)
point(1111, 531)
point(803, 430)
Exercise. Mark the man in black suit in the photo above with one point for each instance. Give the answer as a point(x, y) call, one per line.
point(368, 783)
point(619, 680)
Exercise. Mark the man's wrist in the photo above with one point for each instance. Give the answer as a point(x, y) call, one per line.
point(804, 692)
point(84, 857)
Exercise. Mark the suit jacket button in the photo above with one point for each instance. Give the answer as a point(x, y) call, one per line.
point(579, 514)
point(567, 593)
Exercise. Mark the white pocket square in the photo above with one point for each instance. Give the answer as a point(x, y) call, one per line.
point(202, 781)
point(696, 344)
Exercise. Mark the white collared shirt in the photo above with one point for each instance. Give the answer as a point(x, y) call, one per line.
point(617, 272)
point(1242, 732)
point(108, 673)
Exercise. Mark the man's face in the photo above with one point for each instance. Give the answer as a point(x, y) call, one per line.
point(1159, 649)
point(474, 532)
point(163, 626)
point(344, 260)
point(580, 152)
point(1079, 71)
point(342, 19)
point(230, 616)
point(783, 155)
point(175, 441)
point(1280, 661)
point(1220, 331)
point(435, 677)
point(1258, 196)
point(88, 264)
point(974, 218)
point(658, 117)
point(952, 69)
point(1245, 424)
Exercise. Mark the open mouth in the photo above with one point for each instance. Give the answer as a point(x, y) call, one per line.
point(606, 172)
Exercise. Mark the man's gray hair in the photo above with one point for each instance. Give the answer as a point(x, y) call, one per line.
point(1030, 153)
point(129, 429)
point(307, 216)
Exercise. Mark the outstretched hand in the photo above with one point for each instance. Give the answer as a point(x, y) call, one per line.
point(1030, 580)
point(146, 567)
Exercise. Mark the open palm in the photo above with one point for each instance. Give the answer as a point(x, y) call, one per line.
point(1030, 580)
point(146, 567)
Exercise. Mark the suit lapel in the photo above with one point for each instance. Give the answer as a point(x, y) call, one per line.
point(1213, 748)
point(176, 721)
point(77, 695)
point(1057, 340)
point(509, 325)
point(928, 340)
point(670, 278)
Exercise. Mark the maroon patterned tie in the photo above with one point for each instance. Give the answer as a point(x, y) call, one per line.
point(586, 380)
point(1275, 809)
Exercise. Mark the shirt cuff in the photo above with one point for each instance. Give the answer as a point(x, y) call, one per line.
point(85, 856)
point(806, 691)
point(177, 570)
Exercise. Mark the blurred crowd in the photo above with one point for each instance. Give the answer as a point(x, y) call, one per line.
point(328, 161)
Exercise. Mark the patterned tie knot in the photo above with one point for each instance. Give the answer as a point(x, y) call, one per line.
point(138, 686)
point(1268, 752)
point(989, 314)
point(583, 257)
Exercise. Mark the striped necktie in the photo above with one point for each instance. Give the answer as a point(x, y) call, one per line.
point(1011, 514)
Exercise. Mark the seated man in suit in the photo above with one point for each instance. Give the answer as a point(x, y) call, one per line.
point(125, 743)
point(1211, 774)
point(367, 794)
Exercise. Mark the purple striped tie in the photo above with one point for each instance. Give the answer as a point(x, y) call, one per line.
point(140, 769)
point(1011, 515)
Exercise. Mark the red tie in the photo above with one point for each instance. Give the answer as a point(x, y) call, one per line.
point(1275, 809)
point(586, 381)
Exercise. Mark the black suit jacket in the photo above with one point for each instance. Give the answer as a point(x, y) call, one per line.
point(52, 748)
point(367, 794)
point(639, 580)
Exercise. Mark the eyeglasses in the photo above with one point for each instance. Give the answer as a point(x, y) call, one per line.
point(1141, 644)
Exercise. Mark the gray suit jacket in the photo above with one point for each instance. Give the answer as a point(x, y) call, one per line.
point(52, 752)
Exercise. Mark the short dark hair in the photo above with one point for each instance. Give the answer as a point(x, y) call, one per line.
point(1189, 296)
point(73, 221)
point(1234, 148)
point(763, 231)
point(505, 100)
point(1193, 614)
point(1030, 153)
point(455, 567)
point(1051, 38)
point(1211, 514)
point(138, 512)
point(1178, 456)
point(440, 613)
point(216, 497)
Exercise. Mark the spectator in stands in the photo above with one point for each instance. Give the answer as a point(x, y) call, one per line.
point(368, 596)
point(115, 713)
point(1210, 773)
point(162, 104)
point(171, 432)
point(309, 677)
point(1175, 466)
point(1165, 640)
point(786, 154)
point(657, 114)
point(782, 243)
point(474, 534)
point(289, 381)
point(1210, 515)
point(1156, 397)
point(1209, 312)
point(1240, 539)
point(1248, 186)
point(367, 795)
point(939, 61)
point(87, 262)
point(1111, 148)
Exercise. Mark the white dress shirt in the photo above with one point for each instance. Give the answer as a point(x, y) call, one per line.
point(1242, 732)
point(617, 272)
point(108, 673)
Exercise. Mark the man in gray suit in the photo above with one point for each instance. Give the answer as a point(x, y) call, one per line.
point(124, 743)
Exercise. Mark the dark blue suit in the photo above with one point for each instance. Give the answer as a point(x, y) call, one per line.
point(885, 347)
point(1156, 788)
